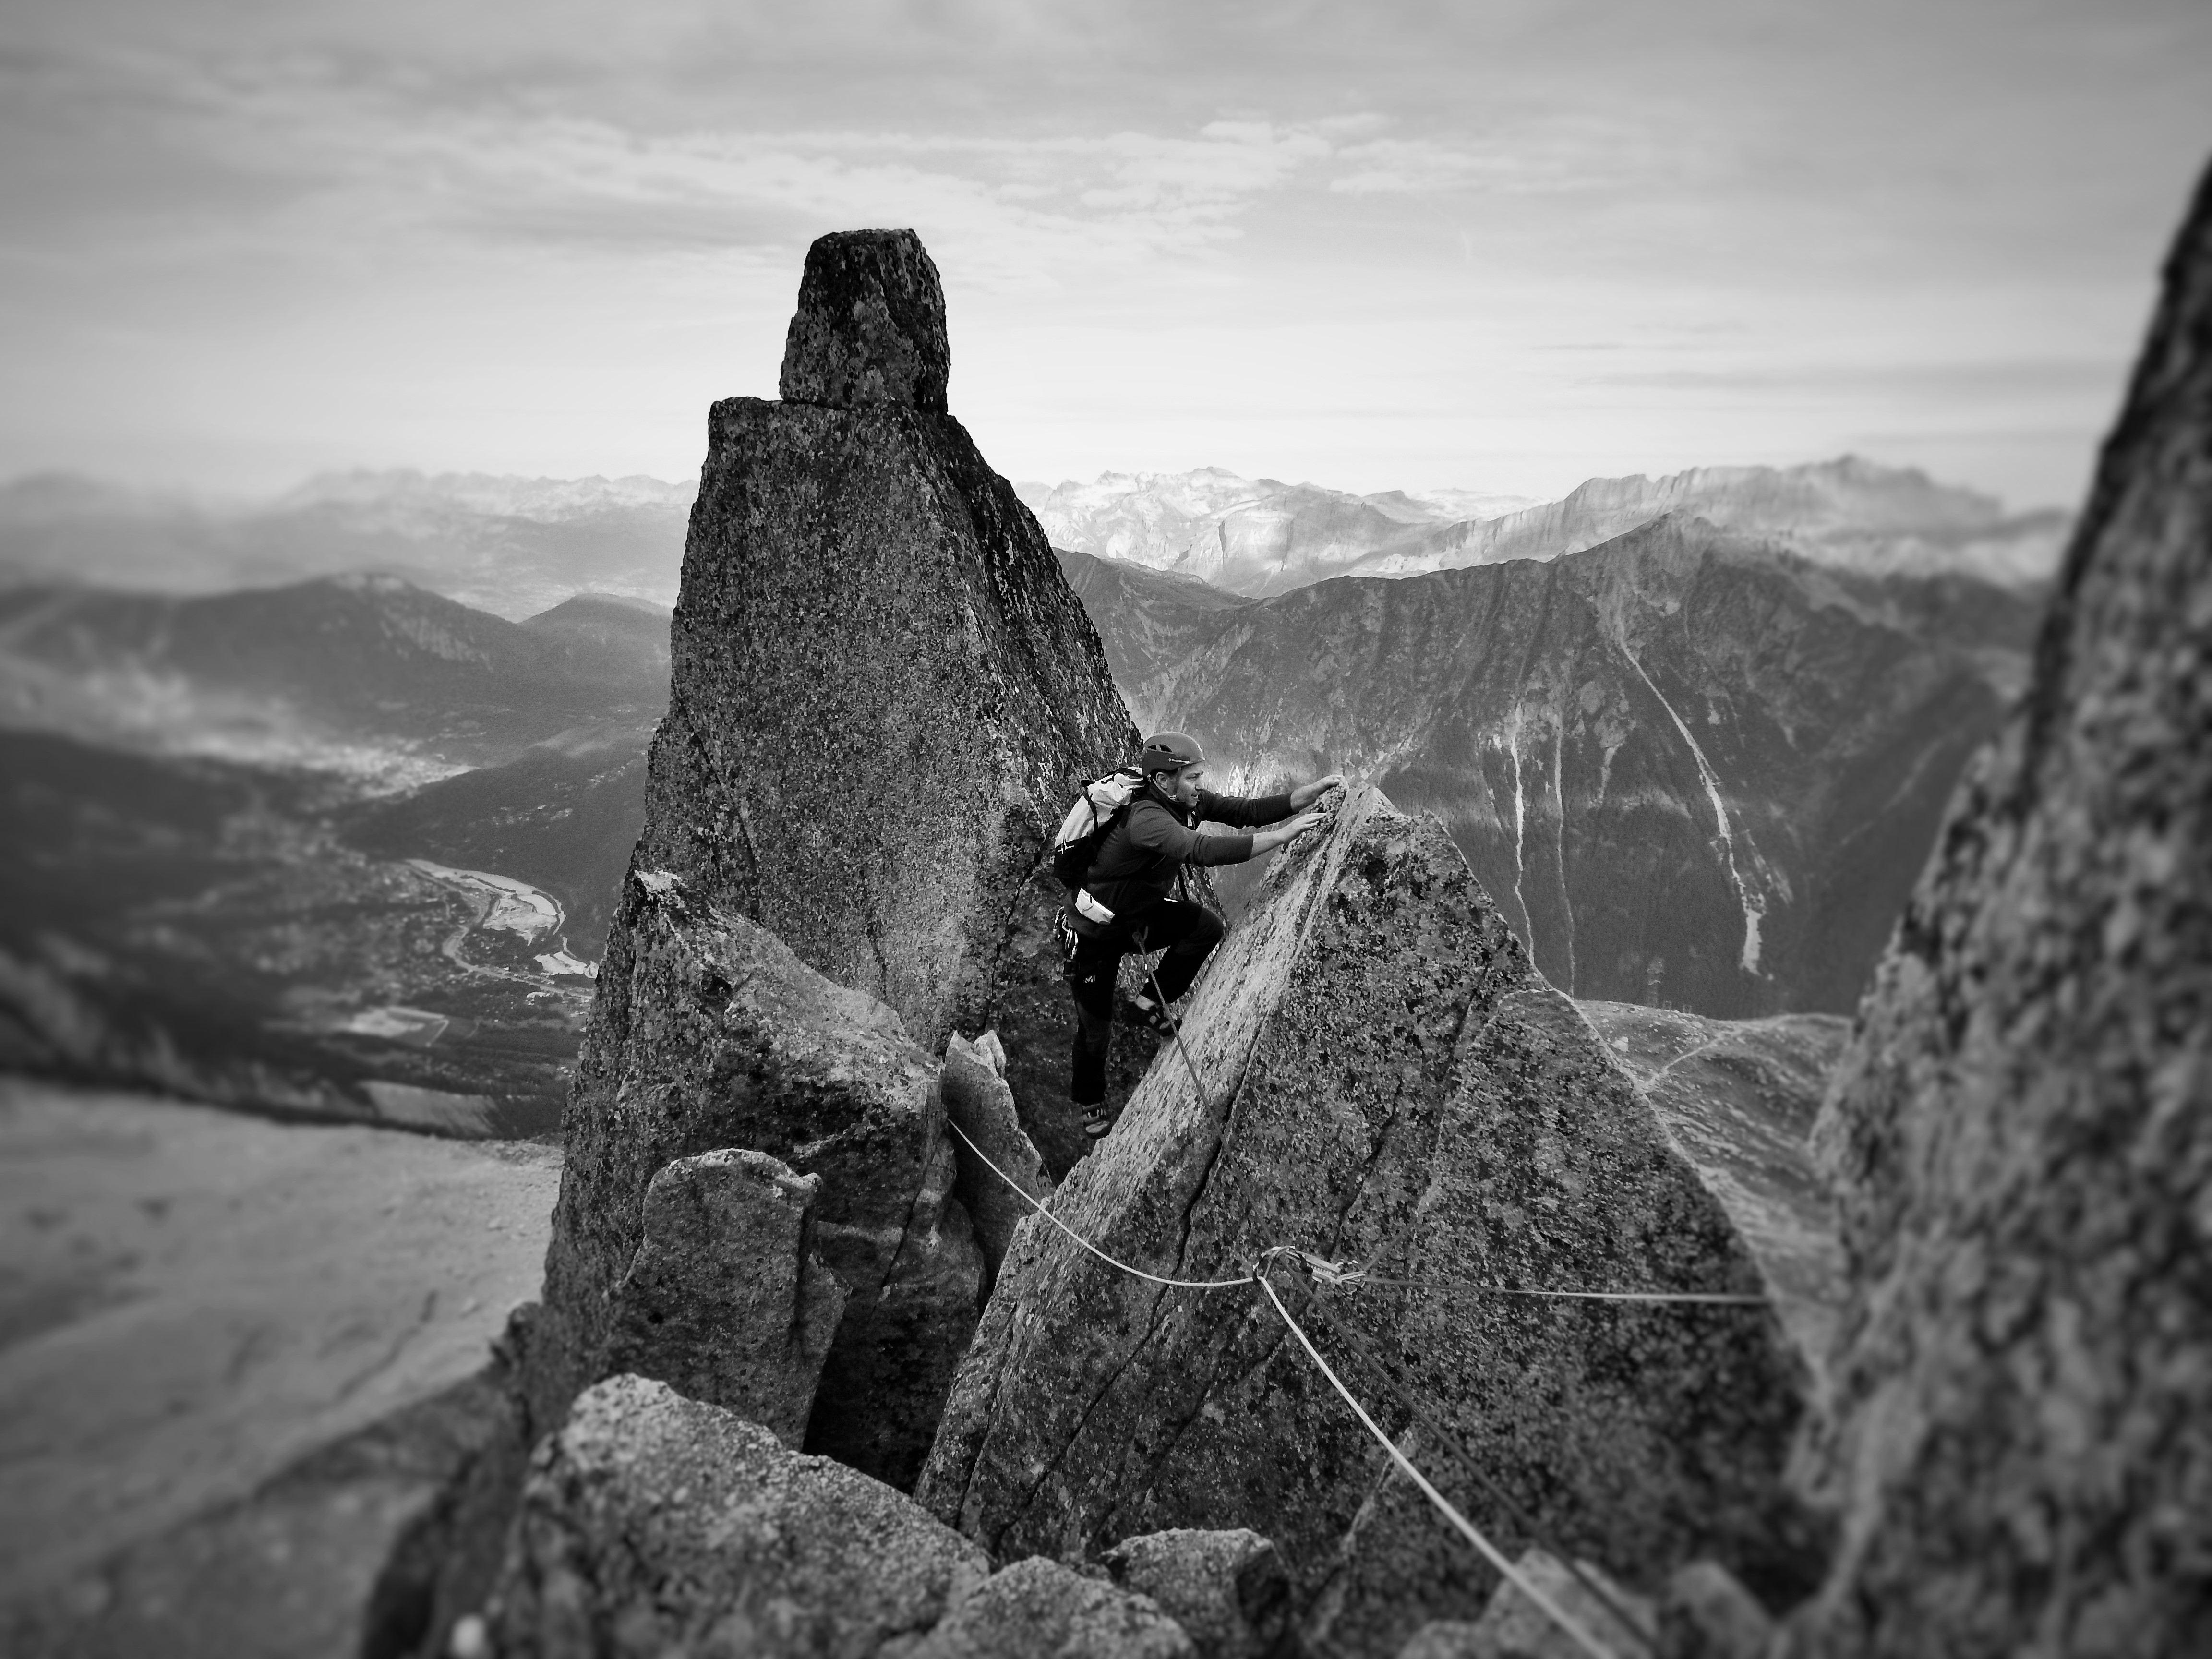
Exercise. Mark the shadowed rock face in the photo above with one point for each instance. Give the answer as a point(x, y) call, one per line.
point(1387, 1080)
point(2023, 1127)
point(883, 694)
point(709, 1033)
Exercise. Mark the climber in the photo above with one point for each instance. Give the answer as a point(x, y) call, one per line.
point(1135, 896)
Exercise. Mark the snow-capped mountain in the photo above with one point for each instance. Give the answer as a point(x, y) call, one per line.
point(1261, 537)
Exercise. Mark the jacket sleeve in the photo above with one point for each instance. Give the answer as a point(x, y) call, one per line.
point(1153, 830)
point(1245, 812)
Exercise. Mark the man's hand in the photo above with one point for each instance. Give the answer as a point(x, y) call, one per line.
point(1307, 793)
point(1266, 840)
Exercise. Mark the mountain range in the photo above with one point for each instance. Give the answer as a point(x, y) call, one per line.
point(1698, 768)
point(1261, 537)
point(256, 835)
point(344, 848)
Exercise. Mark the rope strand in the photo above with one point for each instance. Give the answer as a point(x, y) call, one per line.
point(1489, 1551)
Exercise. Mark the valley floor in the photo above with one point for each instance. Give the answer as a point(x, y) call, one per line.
point(189, 1299)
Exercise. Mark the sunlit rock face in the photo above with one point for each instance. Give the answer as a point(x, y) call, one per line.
point(1693, 769)
point(1382, 1076)
point(2022, 1130)
point(884, 693)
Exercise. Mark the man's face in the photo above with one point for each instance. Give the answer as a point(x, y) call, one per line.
point(1182, 787)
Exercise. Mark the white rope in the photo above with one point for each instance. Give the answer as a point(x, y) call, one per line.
point(1180, 1284)
point(1355, 1277)
point(1519, 1580)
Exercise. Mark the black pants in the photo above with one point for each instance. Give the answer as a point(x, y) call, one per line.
point(1186, 931)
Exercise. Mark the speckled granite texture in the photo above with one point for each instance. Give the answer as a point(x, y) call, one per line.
point(2022, 1131)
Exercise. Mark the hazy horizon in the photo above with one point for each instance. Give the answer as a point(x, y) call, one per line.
point(1504, 247)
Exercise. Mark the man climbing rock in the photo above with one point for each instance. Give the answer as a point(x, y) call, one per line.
point(1135, 896)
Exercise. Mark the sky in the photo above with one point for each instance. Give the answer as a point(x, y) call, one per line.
point(1493, 245)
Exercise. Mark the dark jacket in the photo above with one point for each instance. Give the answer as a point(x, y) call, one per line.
point(1145, 853)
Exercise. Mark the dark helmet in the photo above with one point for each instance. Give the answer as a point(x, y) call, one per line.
point(1170, 752)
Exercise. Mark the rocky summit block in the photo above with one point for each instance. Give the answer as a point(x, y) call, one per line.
point(709, 1033)
point(870, 326)
point(2022, 1130)
point(885, 695)
point(1386, 1082)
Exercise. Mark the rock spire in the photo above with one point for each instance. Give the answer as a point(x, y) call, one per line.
point(2022, 1130)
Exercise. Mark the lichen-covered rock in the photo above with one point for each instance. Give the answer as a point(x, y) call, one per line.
point(654, 1524)
point(726, 1301)
point(2022, 1130)
point(883, 692)
point(1388, 1081)
point(1227, 1589)
point(707, 1033)
point(870, 326)
point(1040, 1609)
point(980, 1104)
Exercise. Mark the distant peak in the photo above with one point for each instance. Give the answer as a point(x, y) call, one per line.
point(870, 326)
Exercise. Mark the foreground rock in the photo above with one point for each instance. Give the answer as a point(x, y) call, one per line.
point(197, 1300)
point(655, 1524)
point(885, 693)
point(1389, 1082)
point(709, 1033)
point(2023, 1128)
point(1227, 1589)
point(726, 1301)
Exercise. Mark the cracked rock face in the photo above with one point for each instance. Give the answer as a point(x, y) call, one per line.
point(709, 1033)
point(883, 692)
point(1388, 1081)
point(2022, 1130)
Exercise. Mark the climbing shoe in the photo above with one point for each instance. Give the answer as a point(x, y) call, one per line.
point(1101, 1121)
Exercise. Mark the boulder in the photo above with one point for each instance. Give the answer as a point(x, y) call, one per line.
point(885, 695)
point(980, 1104)
point(1227, 1589)
point(1040, 1609)
point(2021, 1132)
point(655, 1524)
point(709, 1033)
point(726, 1301)
point(1386, 1082)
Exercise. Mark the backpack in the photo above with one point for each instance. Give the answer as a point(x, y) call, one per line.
point(1099, 806)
